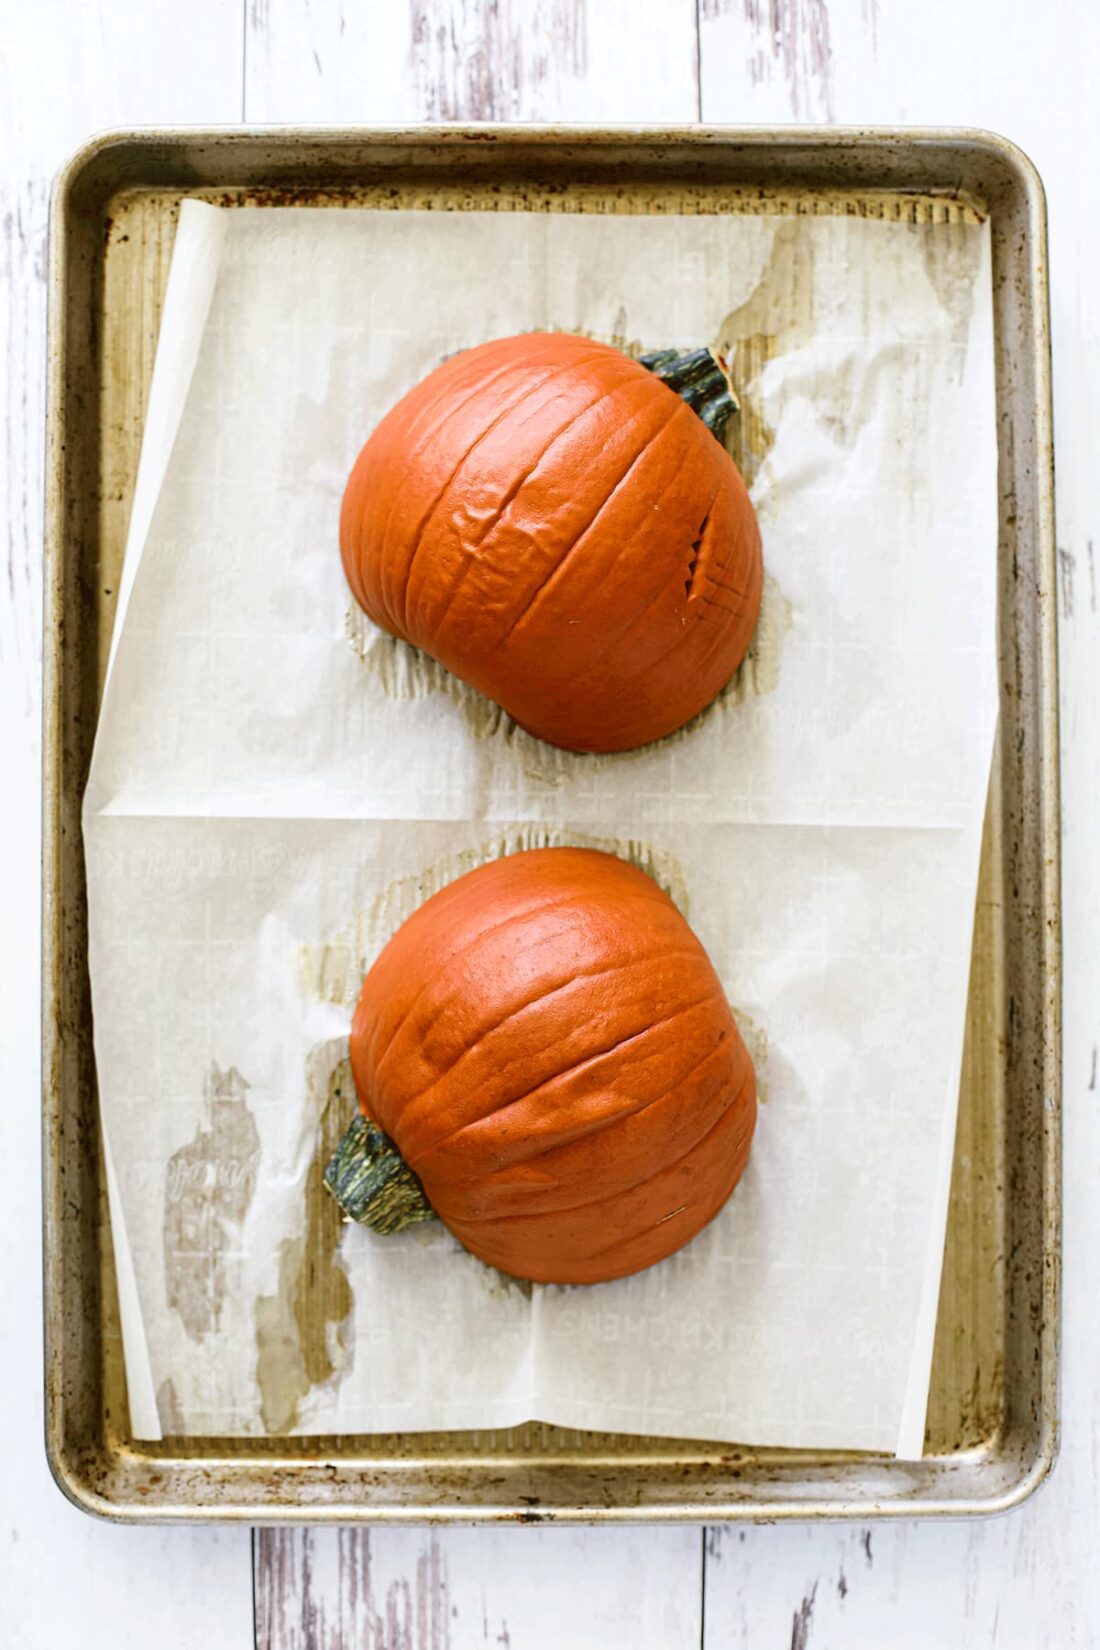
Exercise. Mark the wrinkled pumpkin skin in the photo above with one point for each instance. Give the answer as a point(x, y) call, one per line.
point(558, 528)
point(548, 1046)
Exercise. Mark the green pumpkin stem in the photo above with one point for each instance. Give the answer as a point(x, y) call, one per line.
point(373, 1184)
point(699, 378)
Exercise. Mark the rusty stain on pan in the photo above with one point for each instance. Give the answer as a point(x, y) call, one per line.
point(992, 1418)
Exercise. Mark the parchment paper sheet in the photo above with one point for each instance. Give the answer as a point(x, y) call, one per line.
point(276, 785)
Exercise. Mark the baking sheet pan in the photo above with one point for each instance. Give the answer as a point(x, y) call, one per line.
point(992, 1412)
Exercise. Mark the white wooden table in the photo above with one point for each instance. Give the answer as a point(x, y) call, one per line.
point(69, 67)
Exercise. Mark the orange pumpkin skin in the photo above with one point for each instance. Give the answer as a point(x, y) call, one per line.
point(549, 1047)
point(558, 528)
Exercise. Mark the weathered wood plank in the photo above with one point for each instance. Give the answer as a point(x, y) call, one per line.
point(767, 60)
point(1030, 1578)
point(66, 71)
point(402, 60)
point(455, 1589)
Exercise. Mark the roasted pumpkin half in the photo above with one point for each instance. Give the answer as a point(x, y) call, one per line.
point(545, 1058)
point(557, 524)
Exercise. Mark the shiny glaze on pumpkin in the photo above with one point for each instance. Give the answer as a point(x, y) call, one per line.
point(549, 1047)
point(558, 528)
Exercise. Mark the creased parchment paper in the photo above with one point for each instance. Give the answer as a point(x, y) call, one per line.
point(276, 786)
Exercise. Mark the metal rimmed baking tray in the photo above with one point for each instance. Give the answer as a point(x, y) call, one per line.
point(992, 1420)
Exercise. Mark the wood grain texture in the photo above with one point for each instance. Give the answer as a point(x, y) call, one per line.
point(465, 1589)
point(777, 52)
point(437, 60)
point(66, 71)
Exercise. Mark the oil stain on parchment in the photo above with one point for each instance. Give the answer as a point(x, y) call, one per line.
point(501, 1286)
point(333, 972)
point(755, 1038)
point(777, 316)
point(303, 1331)
point(951, 251)
point(168, 1409)
point(208, 1189)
